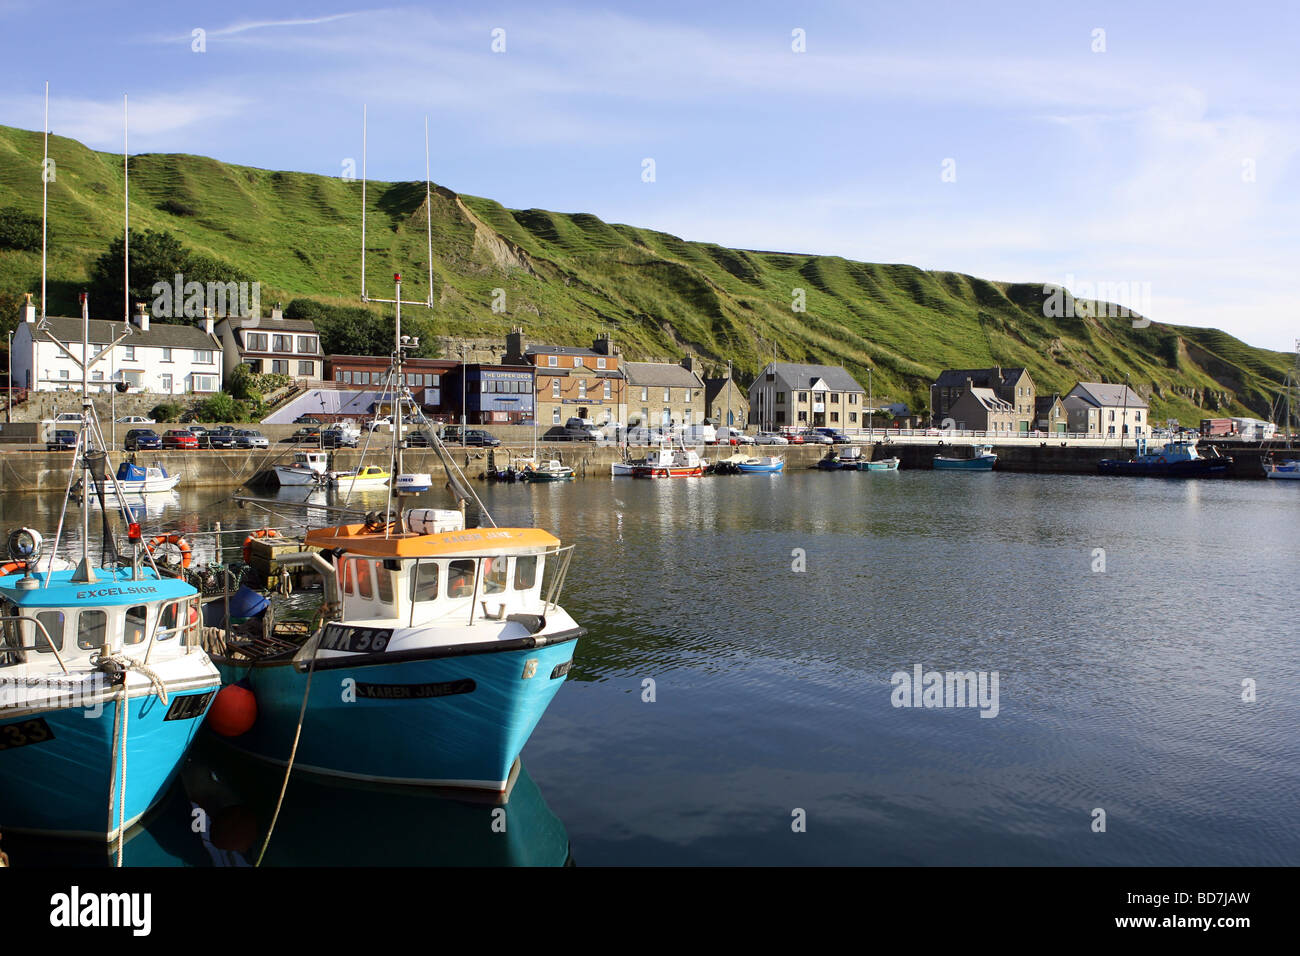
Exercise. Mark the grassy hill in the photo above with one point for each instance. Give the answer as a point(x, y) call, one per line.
point(567, 276)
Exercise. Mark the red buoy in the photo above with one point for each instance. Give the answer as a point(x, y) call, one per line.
point(233, 712)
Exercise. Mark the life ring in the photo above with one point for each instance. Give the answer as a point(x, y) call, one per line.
point(1161, 460)
point(174, 539)
point(13, 567)
point(259, 533)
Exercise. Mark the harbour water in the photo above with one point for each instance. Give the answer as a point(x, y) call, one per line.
point(734, 700)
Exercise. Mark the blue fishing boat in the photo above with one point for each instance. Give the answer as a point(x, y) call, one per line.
point(766, 465)
point(880, 464)
point(103, 683)
point(1175, 459)
point(1287, 468)
point(980, 459)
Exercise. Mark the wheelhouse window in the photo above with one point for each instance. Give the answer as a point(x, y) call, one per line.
point(346, 577)
point(136, 628)
point(364, 588)
point(53, 621)
point(525, 572)
point(424, 582)
point(460, 579)
point(92, 627)
point(384, 583)
point(494, 575)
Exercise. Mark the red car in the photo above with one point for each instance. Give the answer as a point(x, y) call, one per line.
point(179, 438)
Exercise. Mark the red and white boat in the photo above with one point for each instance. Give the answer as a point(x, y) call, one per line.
point(669, 463)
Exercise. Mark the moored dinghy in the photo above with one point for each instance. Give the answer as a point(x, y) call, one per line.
point(765, 465)
point(981, 459)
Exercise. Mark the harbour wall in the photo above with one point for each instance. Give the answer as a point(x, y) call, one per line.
point(42, 471)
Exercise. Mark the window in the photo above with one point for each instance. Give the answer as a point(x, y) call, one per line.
point(91, 628)
point(485, 387)
point(835, 398)
point(1137, 416)
point(137, 619)
point(525, 572)
point(668, 394)
point(803, 416)
point(203, 356)
point(835, 416)
point(167, 355)
point(384, 579)
point(424, 582)
point(307, 344)
point(577, 361)
point(582, 388)
point(63, 373)
point(338, 375)
point(96, 376)
point(306, 368)
point(553, 361)
point(645, 393)
point(645, 415)
point(364, 588)
point(780, 398)
point(853, 398)
point(460, 579)
point(279, 367)
point(282, 343)
point(345, 581)
point(130, 353)
point(494, 575)
point(780, 417)
point(607, 389)
point(53, 621)
point(600, 363)
point(166, 384)
point(555, 416)
point(256, 341)
point(803, 396)
point(555, 388)
point(1112, 416)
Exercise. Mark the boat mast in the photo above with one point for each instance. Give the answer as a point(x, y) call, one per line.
point(45, 195)
point(85, 574)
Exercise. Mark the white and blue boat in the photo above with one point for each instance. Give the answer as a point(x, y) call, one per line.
point(764, 465)
point(981, 459)
point(1175, 459)
point(1288, 468)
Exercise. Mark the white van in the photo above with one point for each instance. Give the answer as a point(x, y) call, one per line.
point(695, 434)
point(725, 436)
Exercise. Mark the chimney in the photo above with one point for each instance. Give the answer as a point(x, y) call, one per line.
point(141, 317)
point(688, 362)
point(970, 383)
point(516, 345)
point(28, 310)
point(207, 322)
point(276, 313)
point(604, 344)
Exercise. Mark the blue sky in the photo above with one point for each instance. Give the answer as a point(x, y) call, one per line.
point(1170, 160)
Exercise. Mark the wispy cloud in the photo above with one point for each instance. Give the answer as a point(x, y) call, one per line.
point(250, 25)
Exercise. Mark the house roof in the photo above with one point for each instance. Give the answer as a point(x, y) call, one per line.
point(989, 399)
point(804, 376)
point(562, 350)
point(329, 401)
point(102, 331)
point(983, 377)
point(661, 373)
point(261, 324)
point(1105, 395)
point(1044, 405)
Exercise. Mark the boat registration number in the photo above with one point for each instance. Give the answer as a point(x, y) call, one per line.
point(25, 732)
point(337, 637)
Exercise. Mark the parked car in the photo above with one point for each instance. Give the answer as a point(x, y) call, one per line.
point(473, 436)
point(695, 434)
point(813, 437)
point(338, 438)
point(416, 439)
point(836, 436)
point(733, 436)
point(576, 425)
point(307, 420)
point(770, 438)
point(133, 420)
point(250, 438)
point(66, 418)
point(220, 437)
point(138, 438)
point(795, 438)
point(64, 440)
point(309, 435)
point(179, 438)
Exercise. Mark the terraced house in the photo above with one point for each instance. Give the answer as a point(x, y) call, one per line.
point(1103, 410)
point(276, 345)
point(1015, 386)
point(661, 393)
point(786, 395)
point(573, 382)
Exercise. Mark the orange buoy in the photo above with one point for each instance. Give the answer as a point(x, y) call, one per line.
point(233, 712)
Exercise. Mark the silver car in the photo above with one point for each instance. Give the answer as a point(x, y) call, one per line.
point(250, 438)
point(770, 438)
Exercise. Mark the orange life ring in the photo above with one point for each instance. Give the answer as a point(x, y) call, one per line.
point(13, 567)
point(175, 539)
point(259, 533)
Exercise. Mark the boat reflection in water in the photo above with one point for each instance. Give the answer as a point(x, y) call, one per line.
point(386, 826)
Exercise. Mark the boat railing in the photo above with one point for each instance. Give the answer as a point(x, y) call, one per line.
point(564, 554)
point(32, 647)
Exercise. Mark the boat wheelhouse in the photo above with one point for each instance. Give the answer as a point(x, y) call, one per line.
point(1175, 459)
point(307, 468)
point(135, 479)
point(981, 458)
point(365, 478)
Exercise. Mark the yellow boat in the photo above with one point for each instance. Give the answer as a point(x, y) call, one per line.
point(369, 478)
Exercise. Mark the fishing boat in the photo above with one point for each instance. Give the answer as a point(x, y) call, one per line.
point(1175, 459)
point(307, 468)
point(365, 478)
point(550, 470)
point(981, 459)
point(670, 463)
point(438, 649)
point(1287, 468)
point(764, 465)
point(103, 683)
point(413, 483)
point(625, 469)
point(832, 461)
point(133, 479)
point(880, 464)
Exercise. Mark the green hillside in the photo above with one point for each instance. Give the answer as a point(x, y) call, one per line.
point(568, 276)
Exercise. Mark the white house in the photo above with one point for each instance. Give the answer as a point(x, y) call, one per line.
point(162, 359)
point(786, 394)
point(277, 345)
point(1109, 411)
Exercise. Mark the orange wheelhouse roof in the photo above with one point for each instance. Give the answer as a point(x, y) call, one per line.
point(354, 539)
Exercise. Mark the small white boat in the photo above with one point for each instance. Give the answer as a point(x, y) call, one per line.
point(307, 468)
point(138, 480)
point(548, 471)
point(369, 478)
point(670, 463)
point(762, 465)
point(413, 483)
point(1286, 469)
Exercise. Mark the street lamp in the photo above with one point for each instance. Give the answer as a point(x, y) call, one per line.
point(464, 375)
point(9, 405)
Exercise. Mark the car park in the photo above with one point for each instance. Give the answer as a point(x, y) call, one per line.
point(63, 439)
point(583, 425)
point(338, 438)
point(138, 438)
point(814, 437)
point(179, 438)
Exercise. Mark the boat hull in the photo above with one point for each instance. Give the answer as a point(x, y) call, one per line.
point(68, 773)
point(544, 476)
point(449, 721)
point(1194, 468)
point(296, 476)
point(148, 486)
point(964, 464)
point(884, 464)
point(654, 471)
point(747, 469)
point(1284, 471)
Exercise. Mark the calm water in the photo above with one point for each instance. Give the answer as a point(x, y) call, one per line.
point(1120, 690)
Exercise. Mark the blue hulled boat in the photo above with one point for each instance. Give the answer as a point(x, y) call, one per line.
point(1175, 459)
point(981, 459)
point(766, 465)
